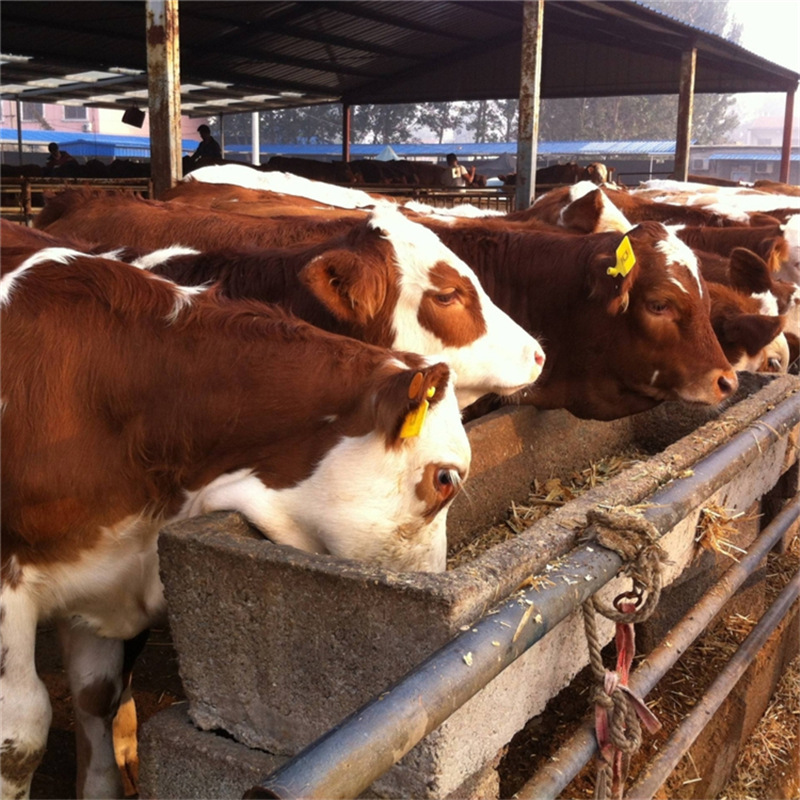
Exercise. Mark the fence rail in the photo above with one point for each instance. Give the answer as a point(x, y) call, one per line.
point(22, 198)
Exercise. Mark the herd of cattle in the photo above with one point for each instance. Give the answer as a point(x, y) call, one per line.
point(305, 354)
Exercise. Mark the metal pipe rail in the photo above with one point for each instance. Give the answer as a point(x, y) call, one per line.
point(573, 755)
point(659, 769)
point(347, 759)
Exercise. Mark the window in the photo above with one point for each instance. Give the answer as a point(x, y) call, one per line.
point(75, 112)
point(32, 112)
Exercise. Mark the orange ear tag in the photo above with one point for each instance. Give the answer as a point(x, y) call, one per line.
point(412, 424)
point(625, 259)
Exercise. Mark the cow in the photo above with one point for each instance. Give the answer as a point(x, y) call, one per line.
point(582, 208)
point(738, 206)
point(130, 402)
point(777, 244)
point(617, 342)
point(380, 277)
point(751, 340)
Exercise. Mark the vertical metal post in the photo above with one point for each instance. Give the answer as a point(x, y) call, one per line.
point(786, 148)
point(19, 131)
point(685, 109)
point(164, 90)
point(529, 96)
point(255, 151)
point(346, 124)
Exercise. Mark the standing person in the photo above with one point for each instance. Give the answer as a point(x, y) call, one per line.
point(209, 147)
point(456, 174)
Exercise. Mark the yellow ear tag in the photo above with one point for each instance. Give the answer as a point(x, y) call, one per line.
point(412, 424)
point(625, 259)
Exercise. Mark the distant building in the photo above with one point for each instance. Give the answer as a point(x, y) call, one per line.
point(78, 121)
point(768, 132)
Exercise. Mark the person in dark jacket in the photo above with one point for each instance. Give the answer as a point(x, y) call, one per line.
point(209, 147)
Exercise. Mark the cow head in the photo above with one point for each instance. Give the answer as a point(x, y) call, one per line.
point(381, 493)
point(658, 342)
point(427, 301)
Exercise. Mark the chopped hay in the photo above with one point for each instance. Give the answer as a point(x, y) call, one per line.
point(715, 526)
point(771, 750)
point(544, 497)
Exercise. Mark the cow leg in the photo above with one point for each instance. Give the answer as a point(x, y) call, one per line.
point(94, 669)
point(125, 726)
point(25, 711)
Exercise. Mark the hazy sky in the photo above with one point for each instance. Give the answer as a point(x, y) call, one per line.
point(771, 30)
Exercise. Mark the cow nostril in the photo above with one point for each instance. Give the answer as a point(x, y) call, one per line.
point(539, 358)
point(726, 385)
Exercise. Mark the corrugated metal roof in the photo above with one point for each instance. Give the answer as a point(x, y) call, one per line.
point(243, 56)
point(751, 155)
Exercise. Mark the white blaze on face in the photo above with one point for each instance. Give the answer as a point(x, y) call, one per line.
point(503, 359)
point(677, 252)
point(790, 270)
point(362, 501)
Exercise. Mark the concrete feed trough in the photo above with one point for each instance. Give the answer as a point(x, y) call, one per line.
point(277, 646)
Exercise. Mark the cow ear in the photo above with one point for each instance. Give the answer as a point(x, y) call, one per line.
point(582, 214)
point(749, 272)
point(345, 285)
point(404, 398)
point(753, 332)
point(613, 273)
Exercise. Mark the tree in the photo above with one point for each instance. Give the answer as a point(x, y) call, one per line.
point(384, 124)
point(444, 117)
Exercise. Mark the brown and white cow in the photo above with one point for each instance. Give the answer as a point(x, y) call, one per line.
point(379, 277)
point(129, 402)
point(616, 343)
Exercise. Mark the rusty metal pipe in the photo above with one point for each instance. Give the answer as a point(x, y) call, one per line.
point(659, 769)
point(573, 755)
point(347, 759)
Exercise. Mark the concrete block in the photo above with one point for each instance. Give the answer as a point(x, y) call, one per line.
point(277, 646)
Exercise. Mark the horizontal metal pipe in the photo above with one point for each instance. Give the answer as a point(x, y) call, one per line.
point(573, 755)
point(347, 759)
point(682, 739)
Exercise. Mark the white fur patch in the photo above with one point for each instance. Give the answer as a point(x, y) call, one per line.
point(504, 359)
point(677, 252)
point(160, 257)
point(282, 183)
point(60, 255)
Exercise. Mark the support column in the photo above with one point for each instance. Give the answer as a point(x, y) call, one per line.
point(529, 97)
point(346, 123)
point(786, 149)
point(255, 131)
point(685, 108)
point(164, 91)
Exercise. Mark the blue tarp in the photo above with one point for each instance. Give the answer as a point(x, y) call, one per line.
point(89, 145)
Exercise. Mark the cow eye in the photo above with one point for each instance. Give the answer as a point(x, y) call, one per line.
point(448, 481)
point(446, 298)
point(658, 307)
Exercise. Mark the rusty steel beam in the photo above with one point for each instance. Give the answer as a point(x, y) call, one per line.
point(786, 148)
point(164, 92)
point(529, 98)
point(683, 137)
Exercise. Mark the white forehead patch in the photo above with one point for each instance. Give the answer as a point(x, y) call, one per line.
point(676, 251)
point(61, 255)
point(416, 248)
point(159, 257)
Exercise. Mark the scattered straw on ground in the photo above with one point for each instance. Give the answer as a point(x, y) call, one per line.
point(544, 497)
point(771, 749)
